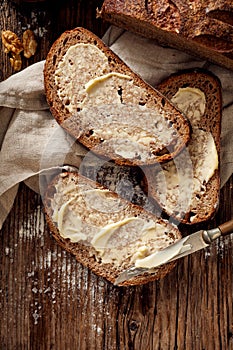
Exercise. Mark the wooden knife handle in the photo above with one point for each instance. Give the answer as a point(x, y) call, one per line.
point(226, 228)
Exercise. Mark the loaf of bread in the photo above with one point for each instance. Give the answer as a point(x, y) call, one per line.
point(199, 27)
point(187, 188)
point(105, 232)
point(106, 106)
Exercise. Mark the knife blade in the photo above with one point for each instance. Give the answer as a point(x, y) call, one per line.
point(185, 246)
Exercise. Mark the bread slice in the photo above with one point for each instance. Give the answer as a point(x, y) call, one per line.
point(106, 106)
point(105, 232)
point(201, 28)
point(187, 188)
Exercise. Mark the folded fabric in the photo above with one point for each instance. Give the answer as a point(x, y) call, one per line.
point(31, 142)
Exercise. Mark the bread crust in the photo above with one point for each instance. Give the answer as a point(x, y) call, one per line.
point(86, 255)
point(154, 99)
point(202, 28)
point(207, 82)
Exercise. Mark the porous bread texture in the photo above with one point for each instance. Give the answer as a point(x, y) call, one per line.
point(131, 137)
point(201, 28)
point(203, 203)
point(84, 252)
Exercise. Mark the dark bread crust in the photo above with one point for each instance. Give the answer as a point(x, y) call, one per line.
point(211, 122)
point(154, 99)
point(86, 255)
point(202, 28)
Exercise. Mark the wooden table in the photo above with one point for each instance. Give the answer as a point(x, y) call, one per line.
point(49, 301)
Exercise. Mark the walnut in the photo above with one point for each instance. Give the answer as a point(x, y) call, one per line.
point(16, 62)
point(14, 46)
point(29, 43)
point(11, 42)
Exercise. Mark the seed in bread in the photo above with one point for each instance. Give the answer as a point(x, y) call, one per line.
point(106, 106)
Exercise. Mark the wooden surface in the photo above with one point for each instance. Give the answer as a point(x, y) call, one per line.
point(49, 301)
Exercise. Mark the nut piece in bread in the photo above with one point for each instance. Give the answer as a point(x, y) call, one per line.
point(202, 28)
point(106, 106)
point(187, 188)
point(105, 232)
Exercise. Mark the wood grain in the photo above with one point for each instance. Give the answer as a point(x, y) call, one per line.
point(49, 301)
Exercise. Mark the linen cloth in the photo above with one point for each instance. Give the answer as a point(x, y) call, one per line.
point(31, 141)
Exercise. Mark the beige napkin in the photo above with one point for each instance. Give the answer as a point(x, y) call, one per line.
point(32, 142)
point(30, 138)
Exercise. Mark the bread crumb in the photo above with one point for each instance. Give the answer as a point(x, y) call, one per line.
point(36, 316)
point(7, 250)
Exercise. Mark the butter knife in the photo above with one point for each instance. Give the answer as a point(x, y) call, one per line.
point(185, 246)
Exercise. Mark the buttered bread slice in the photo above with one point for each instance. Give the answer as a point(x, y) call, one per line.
point(187, 188)
point(106, 106)
point(105, 232)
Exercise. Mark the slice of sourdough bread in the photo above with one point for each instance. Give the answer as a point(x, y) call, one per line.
point(105, 232)
point(106, 106)
point(187, 188)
